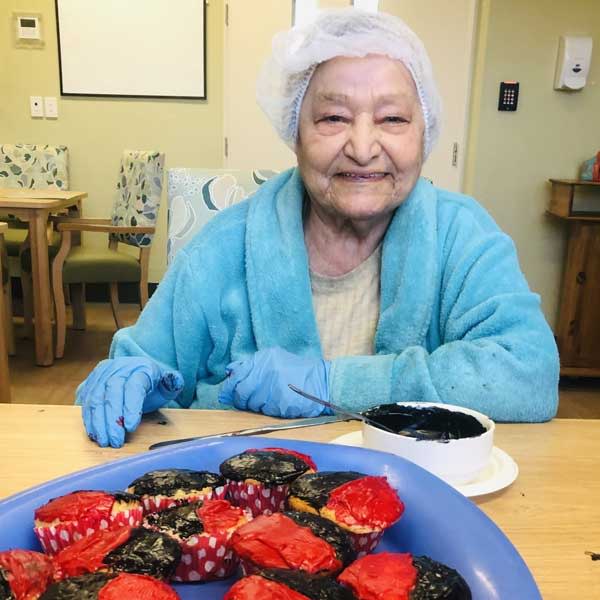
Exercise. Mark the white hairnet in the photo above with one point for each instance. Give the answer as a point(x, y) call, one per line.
point(285, 76)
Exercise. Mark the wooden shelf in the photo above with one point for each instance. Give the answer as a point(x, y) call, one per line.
point(561, 200)
point(579, 372)
point(574, 182)
point(577, 216)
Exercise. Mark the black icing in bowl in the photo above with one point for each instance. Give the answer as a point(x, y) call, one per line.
point(431, 438)
point(426, 422)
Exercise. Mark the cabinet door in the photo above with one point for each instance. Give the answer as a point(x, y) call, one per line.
point(578, 329)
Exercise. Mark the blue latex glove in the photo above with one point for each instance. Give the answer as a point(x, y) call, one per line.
point(260, 384)
point(118, 391)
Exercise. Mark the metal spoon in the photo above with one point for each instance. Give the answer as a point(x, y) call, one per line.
point(341, 411)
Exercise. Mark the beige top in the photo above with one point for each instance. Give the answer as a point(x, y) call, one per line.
point(347, 309)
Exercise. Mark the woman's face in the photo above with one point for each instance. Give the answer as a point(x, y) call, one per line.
point(360, 141)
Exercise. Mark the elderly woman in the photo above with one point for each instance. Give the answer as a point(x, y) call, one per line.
point(348, 276)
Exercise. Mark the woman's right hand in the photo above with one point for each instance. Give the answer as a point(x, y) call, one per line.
point(118, 391)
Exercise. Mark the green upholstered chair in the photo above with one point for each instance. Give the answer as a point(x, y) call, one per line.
point(30, 166)
point(196, 195)
point(132, 223)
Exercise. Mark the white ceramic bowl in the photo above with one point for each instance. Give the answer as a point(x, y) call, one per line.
point(456, 461)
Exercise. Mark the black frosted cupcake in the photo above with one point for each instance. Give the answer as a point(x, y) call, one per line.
point(203, 531)
point(364, 505)
point(125, 549)
point(288, 585)
point(166, 488)
point(292, 540)
point(389, 574)
point(259, 479)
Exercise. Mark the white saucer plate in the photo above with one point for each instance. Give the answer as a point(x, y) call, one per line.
point(499, 473)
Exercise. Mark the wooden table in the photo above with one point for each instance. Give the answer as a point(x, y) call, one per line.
point(551, 513)
point(34, 206)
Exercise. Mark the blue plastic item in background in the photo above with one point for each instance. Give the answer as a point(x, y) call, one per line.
point(438, 521)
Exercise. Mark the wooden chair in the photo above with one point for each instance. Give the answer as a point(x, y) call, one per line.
point(5, 318)
point(30, 166)
point(132, 222)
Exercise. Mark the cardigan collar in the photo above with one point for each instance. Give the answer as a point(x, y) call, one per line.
point(278, 279)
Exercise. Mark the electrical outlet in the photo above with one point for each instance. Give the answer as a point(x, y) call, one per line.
point(51, 107)
point(36, 106)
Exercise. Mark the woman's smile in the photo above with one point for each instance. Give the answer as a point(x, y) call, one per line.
point(357, 177)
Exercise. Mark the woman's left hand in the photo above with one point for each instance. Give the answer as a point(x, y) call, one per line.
point(260, 384)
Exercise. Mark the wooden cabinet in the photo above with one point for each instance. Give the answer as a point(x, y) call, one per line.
point(578, 327)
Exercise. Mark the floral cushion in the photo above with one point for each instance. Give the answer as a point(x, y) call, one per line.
point(34, 166)
point(138, 194)
point(196, 195)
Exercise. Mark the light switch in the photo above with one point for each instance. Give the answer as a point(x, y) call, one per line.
point(51, 107)
point(36, 106)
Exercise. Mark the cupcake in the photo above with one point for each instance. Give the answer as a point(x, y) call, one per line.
point(403, 577)
point(292, 540)
point(67, 519)
point(203, 531)
point(288, 585)
point(259, 479)
point(110, 586)
point(363, 505)
point(24, 574)
point(166, 488)
point(124, 549)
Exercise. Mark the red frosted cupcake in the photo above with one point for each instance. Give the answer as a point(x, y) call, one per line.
point(129, 585)
point(259, 479)
point(292, 540)
point(403, 577)
point(363, 505)
point(203, 531)
point(166, 488)
point(124, 549)
point(277, 584)
point(67, 519)
point(24, 575)
point(110, 586)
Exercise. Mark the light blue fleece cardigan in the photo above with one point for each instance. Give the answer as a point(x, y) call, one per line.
point(458, 323)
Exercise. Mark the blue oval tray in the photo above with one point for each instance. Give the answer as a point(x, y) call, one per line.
point(438, 521)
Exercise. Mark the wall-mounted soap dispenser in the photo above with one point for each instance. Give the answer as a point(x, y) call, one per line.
point(573, 64)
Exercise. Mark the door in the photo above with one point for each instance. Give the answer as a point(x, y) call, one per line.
point(448, 37)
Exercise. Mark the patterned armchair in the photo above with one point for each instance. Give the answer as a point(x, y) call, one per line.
point(30, 166)
point(34, 166)
point(196, 195)
point(132, 222)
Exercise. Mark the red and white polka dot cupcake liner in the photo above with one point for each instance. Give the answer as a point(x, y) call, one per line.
point(257, 498)
point(206, 557)
point(55, 538)
point(365, 543)
point(159, 503)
